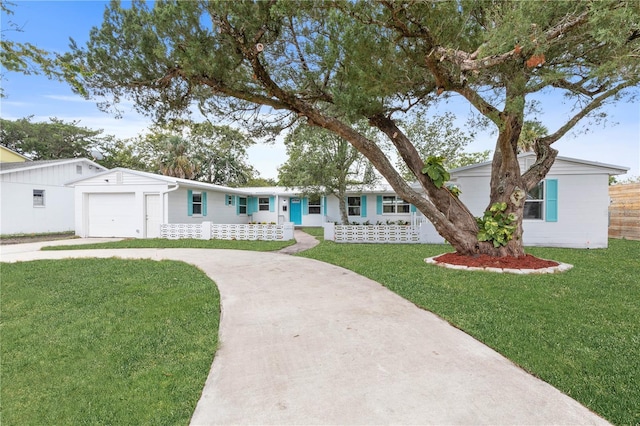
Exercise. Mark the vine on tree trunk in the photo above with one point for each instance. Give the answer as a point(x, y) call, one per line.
point(496, 226)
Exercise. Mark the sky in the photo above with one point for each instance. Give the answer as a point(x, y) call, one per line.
point(50, 24)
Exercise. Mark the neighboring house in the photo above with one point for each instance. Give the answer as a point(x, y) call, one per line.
point(33, 195)
point(10, 156)
point(568, 209)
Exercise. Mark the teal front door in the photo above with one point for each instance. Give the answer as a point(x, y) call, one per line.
point(295, 212)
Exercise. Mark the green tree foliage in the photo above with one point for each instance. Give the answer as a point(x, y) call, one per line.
point(336, 62)
point(468, 158)
point(320, 162)
point(121, 153)
point(200, 151)
point(436, 136)
point(50, 140)
point(531, 132)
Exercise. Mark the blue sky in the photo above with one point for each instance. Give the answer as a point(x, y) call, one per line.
point(49, 24)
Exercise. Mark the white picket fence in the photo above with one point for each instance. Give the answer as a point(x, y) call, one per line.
point(208, 231)
point(376, 234)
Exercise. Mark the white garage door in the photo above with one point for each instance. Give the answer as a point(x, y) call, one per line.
point(112, 215)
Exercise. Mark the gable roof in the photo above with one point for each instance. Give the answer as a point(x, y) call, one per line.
point(30, 165)
point(8, 152)
point(609, 169)
point(170, 180)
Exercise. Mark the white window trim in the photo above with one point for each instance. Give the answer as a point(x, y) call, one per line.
point(317, 205)
point(395, 204)
point(542, 201)
point(359, 206)
point(194, 203)
point(245, 205)
point(42, 197)
point(263, 207)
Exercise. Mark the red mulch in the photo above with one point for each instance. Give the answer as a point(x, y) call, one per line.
point(509, 262)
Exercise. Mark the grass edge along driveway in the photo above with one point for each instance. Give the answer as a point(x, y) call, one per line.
point(105, 341)
point(578, 330)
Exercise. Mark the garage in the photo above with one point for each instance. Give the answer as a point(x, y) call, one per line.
point(111, 215)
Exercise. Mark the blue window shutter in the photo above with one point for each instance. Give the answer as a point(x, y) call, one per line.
point(379, 204)
point(204, 203)
point(226, 199)
point(250, 209)
point(363, 206)
point(189, 203)
point(412, 208)
point(236, 202)
point(305, 206)
point(272, 204)
point(551, 213)
point(324, 205)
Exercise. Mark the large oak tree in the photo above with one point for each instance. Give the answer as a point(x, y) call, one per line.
point(335, 62)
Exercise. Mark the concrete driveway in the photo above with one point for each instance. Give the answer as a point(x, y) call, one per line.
point(305, 342)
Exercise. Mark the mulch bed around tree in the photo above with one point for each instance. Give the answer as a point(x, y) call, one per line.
point(506, 262)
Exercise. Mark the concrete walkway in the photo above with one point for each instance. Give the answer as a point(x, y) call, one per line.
point(305, 342)
point(304, 242)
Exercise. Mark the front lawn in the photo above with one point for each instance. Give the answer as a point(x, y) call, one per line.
point(106, 341)
point(181, 243)
point(578, 330)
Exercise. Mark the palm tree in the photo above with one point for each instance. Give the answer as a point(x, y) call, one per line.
point(531, 131)
point(175, 161)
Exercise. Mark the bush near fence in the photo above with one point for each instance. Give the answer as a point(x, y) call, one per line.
point(624, 211)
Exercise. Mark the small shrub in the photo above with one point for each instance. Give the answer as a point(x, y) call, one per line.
point(496, 226)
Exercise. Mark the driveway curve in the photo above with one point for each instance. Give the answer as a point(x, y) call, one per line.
point(305, 342)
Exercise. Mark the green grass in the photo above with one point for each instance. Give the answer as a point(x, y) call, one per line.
point(578, 330)
point(182, 243)
point(314, 231)
point(105, 341)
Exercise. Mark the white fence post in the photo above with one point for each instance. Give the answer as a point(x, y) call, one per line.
point(329, 231)
point(289, 229)
point(206, 231)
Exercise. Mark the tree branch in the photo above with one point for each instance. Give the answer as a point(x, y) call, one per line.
point(594, 104)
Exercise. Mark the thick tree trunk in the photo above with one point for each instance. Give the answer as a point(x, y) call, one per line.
point(344, 217)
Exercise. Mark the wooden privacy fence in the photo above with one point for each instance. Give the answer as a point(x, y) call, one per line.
point(624, 211)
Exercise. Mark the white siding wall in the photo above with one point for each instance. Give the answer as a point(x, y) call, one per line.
point(51, 175)
point(82, 193)
point(217, 211)
point(583, 203)
point(19, 216)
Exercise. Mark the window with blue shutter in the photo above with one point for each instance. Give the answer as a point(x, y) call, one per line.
point(196, 203)
point(314, 205)
point(551, 210)
point(353, 206)
point(241, 205)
